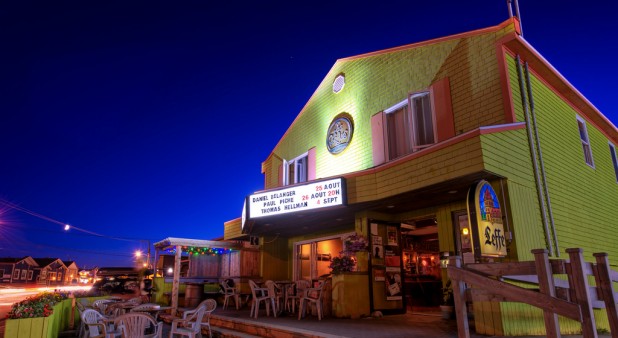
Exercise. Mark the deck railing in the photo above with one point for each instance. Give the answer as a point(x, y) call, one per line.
point(572, 298)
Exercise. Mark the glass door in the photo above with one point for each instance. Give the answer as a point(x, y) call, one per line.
point(313, 257)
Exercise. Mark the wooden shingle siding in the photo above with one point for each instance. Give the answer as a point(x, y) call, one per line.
point(232, 229)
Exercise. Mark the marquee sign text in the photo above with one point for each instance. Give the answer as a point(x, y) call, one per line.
point(298, 198)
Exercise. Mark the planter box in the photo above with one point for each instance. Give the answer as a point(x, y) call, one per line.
point(41, 327)
point(350, 295)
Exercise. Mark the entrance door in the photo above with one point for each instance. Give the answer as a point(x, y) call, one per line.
point(313, 257)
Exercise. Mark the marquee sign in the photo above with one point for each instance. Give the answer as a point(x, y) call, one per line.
point(486, 217)
point(305, 197)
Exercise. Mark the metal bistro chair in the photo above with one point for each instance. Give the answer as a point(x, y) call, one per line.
point(312, 295)
point(259, 295)
point(230, 292)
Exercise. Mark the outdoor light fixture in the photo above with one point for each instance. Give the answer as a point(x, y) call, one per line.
point(67, 227)
point(170, 270)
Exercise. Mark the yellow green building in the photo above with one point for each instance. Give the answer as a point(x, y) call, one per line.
point(392, 145)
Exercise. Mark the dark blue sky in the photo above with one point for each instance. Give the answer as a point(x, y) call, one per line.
point(151, 119)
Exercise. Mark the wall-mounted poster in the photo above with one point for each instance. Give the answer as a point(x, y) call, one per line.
point(393, 283)
point(378, 251)
point(374, 229)
point(393, 261)
point(376, 240)
point(378, 275)
point(391, 233)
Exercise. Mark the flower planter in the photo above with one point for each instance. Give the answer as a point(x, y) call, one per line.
point(41, 327)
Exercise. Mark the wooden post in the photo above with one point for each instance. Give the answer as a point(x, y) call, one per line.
point(176, 280)
point(604, 283)
point(72, 315)
point(579, 282)
point(546, 286)
point(459, 295)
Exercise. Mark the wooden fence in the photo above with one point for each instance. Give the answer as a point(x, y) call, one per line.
point(572, 298)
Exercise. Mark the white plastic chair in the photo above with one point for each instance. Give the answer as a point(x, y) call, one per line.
point(95, 324)
point(230, 292)
point(276, 295)
point(191, 323)
point(312, 295)
point(294, 293)
point(138, 325)
point(259, 295)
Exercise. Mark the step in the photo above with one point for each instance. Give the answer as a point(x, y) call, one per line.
point(254, 329)
point(219, 332)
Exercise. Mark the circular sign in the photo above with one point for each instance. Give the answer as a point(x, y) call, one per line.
point(339, 134)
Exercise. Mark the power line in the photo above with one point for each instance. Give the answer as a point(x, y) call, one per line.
point(66, 226)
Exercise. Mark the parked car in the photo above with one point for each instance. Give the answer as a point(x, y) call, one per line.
point(117, 280)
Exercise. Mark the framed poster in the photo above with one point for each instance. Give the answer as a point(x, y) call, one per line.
point(378, 275)
point(391, 233)
point(377, 251)
point(393, 283)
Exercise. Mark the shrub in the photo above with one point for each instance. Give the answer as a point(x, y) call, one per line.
point(342, 264)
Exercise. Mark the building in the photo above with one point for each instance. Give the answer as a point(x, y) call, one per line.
point(470, 144)
point(50, 271)
point(72, 273)
point(17, 270)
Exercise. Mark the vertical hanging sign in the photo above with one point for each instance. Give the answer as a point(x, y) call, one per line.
point(485, 215)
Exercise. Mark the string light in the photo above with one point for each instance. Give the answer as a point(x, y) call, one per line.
point(197, 251)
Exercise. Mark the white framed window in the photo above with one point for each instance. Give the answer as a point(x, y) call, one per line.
point(583, 135)
point(612, 152)
point(16, 273)
point(410, 125)
point(43, 275)
point(30, 273)
point(296, 170)
point(24, 273)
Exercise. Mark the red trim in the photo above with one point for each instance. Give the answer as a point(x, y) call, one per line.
point(546, 73)
point(433, 41)
point(311, 164)
point(377, 138)
point(441, 98)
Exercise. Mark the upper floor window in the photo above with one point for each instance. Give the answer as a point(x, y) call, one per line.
point(410, 125)
point(583, 135)
point(612, 152)
point(295, 171)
